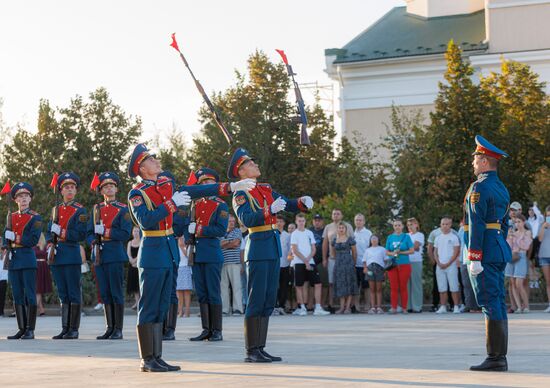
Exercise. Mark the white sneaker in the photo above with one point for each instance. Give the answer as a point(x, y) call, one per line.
point(547, 309)
point(441, 310)
point(281, 311)
point(462, 308)
point(297, 311)
point(525, 310)
point(399, 309)
point(98, 307)
point(302, 312)
point(456, 310)
point(320, 311)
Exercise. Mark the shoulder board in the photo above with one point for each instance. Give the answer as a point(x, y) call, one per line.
point(481, 178)
point(266, 185)
point(219, 200)
point(33, 213)
point(139, 185)
point(123, 205)
point(163, 179)
point(76, 204)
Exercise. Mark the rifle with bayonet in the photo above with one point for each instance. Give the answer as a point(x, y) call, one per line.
point(8, 244)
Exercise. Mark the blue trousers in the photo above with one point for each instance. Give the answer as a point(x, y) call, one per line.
point(263, 281)
point(207, 280)
point(110, 278)
point(23, 286)
point(67, 280)
point(490, 292)
point(155, 285)
point(173, 294)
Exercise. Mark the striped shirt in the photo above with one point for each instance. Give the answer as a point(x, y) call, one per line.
point(232, 255)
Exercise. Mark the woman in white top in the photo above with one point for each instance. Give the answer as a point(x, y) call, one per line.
point(184, 283)
point(373, 267)
point(416, 294)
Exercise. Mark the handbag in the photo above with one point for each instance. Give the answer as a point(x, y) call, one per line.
point(391, 262)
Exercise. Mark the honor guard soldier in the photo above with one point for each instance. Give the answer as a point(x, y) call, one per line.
point(210, 224)
point(70, 228)
point(486, 228)
point(109, 228)
point(171, 319)
point(152, 203)
point(257, 211)
point(26, 227)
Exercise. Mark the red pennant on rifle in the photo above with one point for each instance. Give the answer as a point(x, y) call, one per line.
point(95, 182)
point(6, 189)
point(174, 43)
point(53, 183)
point(283, 55)
point(192, 179)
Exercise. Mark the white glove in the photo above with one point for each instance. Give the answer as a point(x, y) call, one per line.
point(56, 229)
point(49, 250)
point(475, 268)
point(192, 227)
point(181, 198)
point(278, 205)
point(9, 235)
point(99, 229)
point(242, 185)
point(307, 201)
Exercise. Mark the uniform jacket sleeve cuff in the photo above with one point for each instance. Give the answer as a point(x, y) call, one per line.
point(170, 206)
point(475, 255)
point(223, 189)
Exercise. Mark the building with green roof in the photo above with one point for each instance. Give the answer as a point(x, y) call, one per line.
point(399, 59)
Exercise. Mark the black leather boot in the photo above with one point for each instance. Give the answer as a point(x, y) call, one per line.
point(20, 314)
point(264, 325)
point(215, 311)
point(497, 347)
point(108, 313)
point(170, 323)
point(145, 337)
point(65, 314)
point(31, 322)
point(252, 340)
point(205, 320)
point(74, 322)
point(118, 321)
point(157, 348)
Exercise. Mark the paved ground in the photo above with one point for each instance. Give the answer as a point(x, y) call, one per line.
point(420, 350)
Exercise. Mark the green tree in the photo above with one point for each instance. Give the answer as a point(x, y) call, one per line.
point(524, 130)
point(174, 156)
point(258, 113)
point(86, 136)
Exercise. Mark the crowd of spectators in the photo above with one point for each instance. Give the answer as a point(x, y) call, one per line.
point(342, 269)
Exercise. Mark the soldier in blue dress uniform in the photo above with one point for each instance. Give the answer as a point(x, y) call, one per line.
point(23, 236)
point(70, 227)
point(211, 219)
point(152, 203)
point(171, 319)
point(109, 228)
point(257, 211)
point(486, 228)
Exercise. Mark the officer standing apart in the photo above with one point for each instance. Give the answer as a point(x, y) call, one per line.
point(486, 228)
point(212, 216)
point(70, 227)
point(109, 228)
point(153, 203)
point(257, 211)
point(25, 233)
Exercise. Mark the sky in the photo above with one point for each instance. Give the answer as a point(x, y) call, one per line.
point(56, 49)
